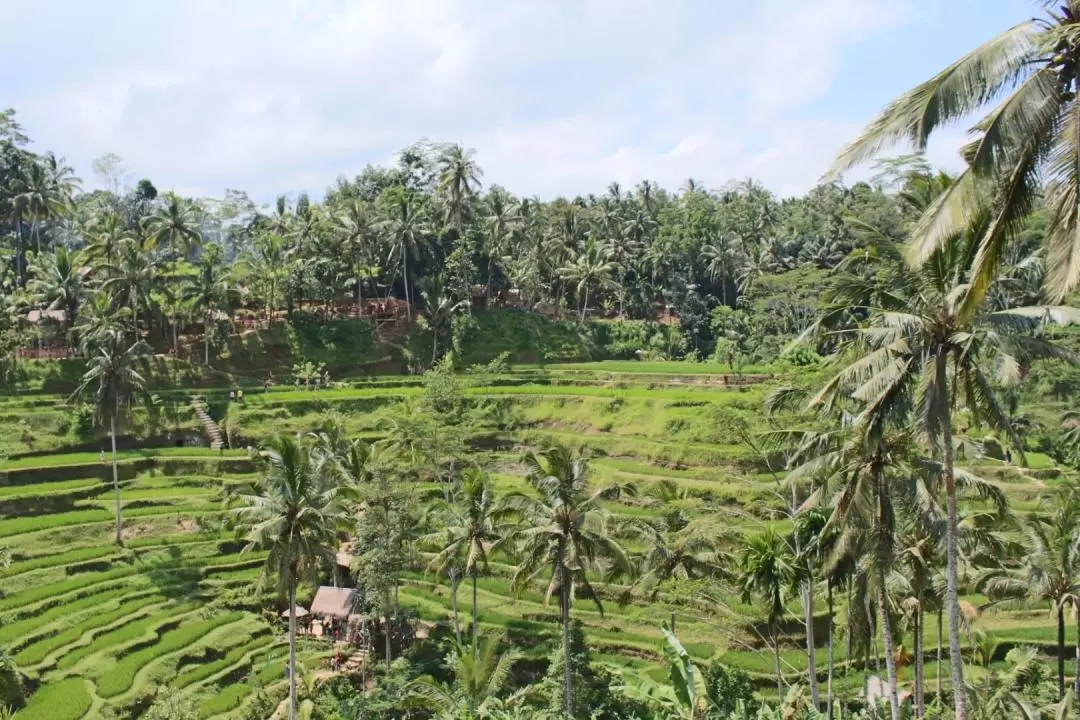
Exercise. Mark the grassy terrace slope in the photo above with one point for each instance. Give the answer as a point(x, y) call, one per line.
point(94, 624)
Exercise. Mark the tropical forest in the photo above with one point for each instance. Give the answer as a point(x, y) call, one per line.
point(422, 448)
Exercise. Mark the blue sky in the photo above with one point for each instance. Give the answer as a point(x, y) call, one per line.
point(556, 97)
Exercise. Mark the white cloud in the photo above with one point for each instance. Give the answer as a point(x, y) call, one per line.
point(556, 96)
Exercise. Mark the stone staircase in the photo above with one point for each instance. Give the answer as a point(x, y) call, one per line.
point(213, 431)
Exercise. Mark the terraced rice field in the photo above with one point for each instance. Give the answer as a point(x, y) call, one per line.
point(93, 624)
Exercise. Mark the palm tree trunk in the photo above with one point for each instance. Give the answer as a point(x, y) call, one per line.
point(1076, 682)
point(475, 616)
point(920, 706)
point(890, 658)
point(175, 345)
point(405, 278)
point(585, 306)
point(811, 646)
point(776, 664)
point(387, 633)
point(206, 340)
point(1061, 649)
point(850, 634)
point(359, 295)
point(453, 603)
point(829, 690)
point(952, 599)
point(292, 648)
point(135, 314)
point(940, 637)
point(115, 474)
point(568, 678)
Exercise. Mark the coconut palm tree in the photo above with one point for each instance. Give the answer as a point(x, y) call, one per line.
point(131, 276)
point(684, 553)
point(1028, 78)
point(922, 348)
point(500, 224)
point(468, 534)
point(267, 262)
point(565, 535)
point(593, 266)
point(767, 569)
point(1050, 567)
point(459, 181)
point(356, 228)
point(295, 513)
point(175, 226)
point(479, 677)
point(106, 233)
point(439, 310)
point(407, 227)
point(59, 283)
point(210, 290)
point(114, 381)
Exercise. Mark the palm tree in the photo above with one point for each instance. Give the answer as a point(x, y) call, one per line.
point(469, 532)
point(924, 347)
point(439, 309)
point(267, 262)
point(564, 534)
point(592, 266)
point(210, 290)
point(918, 554)
point(356, 229)
point(1050, 570)
point(131, 277)
point(688, 553)
point(59, 283)
point(459, 181)
point(407, 228)
point(106, 233)
point(767, 568)
point(295, 513)
point(1024, 146)
point(175, 225)
point(113, 383)
point(479, 677)
point(500, 227)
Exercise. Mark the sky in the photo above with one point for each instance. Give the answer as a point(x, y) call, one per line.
point(557, 97)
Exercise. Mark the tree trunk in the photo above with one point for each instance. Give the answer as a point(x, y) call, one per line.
point(776, 664)
point(850, 638)
point(940, 637)
point(890, 658)
point(135, 314)
point(292, 648)
point(405, 278)
point(206, 340)
point(811, 646)
point(175, 345)
point(453, 603)
point(1076, 682)
point(952, 599)
point(568, 678)
point(475, 616)
point(920, 705)
point(359, 296)
point(1061, 649)
point(389, 652)
point(829, 689)
point(585, 306)
point(115, 474)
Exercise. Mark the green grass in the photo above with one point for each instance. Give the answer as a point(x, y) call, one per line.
point(654, 367)
point(64, 700)
point(40, 650)
point(120, 676)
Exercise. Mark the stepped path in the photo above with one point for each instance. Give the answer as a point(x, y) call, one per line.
point(213, 431)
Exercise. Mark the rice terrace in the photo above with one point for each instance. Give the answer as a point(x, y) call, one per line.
point(421, 448)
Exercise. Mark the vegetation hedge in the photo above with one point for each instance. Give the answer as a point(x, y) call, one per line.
point(63, 700)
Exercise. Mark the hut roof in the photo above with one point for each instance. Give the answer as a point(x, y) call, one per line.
point(335, 602)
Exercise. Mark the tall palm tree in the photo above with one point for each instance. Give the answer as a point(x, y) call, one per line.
point(468, 534)
point(35, 199)
point(106, 233)
point(295, 513)
point(767, 568)
point(1029, 78)
point(439, 309)
point(131, 277)
point(593, 266)
point(1050, 569)
point(500, 227)
point(407, 228)
point(59, 283)
point(924, 348)
point(565, 535)
point(688, 553)
point(114, 381)
point(356, 228)
point(210, 289)
point(459, 181)
point(267, 262)
point(175, 225)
